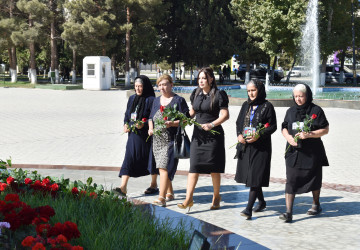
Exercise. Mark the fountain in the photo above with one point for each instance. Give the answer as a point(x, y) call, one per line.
point(310, 56)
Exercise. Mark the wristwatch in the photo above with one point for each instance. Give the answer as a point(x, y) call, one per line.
point(212, 124)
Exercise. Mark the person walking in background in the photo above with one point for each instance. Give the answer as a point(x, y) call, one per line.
point(304, 125)
point(207, 151)
point(137, 149)
point(161, 157)
point(254, 126)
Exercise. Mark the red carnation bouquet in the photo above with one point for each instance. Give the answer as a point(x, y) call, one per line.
point(135, 124)
point(259, 128)
point(308, 121)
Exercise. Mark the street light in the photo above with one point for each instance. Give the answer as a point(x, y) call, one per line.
point(353, 42)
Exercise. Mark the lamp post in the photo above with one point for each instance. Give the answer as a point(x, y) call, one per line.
point(353, 42)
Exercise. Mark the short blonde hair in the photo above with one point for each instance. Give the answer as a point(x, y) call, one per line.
point(164, 77)
point(300, 87)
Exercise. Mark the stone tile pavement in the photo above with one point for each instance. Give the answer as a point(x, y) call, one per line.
point(83, 128)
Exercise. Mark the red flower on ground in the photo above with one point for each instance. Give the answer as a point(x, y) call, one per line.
point(10, 180)
point(28, 181)
point(93, 195)
point(74, 190)
point(38, 246)
point(144, 119)
point(162, 108)
point(42, 229)
point(12, 197)
point(28, 241)
point(77, 248)
point(61, 239)
point(267, 125)
point(46, 211)
point(313, 116)
point(45, 182)
point(54, 187)
point(2, 186)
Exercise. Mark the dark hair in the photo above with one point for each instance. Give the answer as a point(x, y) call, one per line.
point(209, 73)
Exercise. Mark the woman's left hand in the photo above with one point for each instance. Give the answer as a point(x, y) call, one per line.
point(303, 135)
point(206, 126)
point(169, 124)
point(252, 139)
point(139, 125)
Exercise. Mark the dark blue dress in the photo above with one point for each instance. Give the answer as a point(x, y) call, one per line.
point(168, 156)
point(137, 149)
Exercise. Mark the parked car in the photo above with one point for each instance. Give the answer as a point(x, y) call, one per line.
point(259, 73)
point(299, 71)
point(333, 75)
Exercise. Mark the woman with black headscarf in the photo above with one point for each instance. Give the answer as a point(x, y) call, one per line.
point(137, 149)
point(254, 126)
point(306, 156)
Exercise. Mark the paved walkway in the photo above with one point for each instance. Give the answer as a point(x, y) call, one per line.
point(48, 127)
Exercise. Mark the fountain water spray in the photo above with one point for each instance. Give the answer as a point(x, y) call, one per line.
point(310, 43)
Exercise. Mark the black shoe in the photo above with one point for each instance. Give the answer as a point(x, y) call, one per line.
point(260, 207)
point(119, 191)
point(314, 210)
point(287, 217)
point(151, 190)
point(246, 213)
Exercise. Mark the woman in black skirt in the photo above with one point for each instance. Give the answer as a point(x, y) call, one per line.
point(207, 152)
point(305, 158)
point(137, 149)
point(254, 149)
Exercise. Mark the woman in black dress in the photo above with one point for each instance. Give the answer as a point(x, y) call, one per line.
point(305, 158)
point(207, 151)
point(137, 149)
point(162, 149)
point(254, 149)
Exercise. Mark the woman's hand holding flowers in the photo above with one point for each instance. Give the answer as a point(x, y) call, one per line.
point(241, 139)
point(126, 129)
point(206, 126)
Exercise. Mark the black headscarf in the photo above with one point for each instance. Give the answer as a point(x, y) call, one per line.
point(261, 97)
point(139, 100)
point(302, 110)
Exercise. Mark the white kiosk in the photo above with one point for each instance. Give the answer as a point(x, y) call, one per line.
point(96, 73)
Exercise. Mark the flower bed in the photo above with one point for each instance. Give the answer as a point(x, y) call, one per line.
point(51, 213)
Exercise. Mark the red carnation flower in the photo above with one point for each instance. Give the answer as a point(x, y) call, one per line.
point(313, 116)
point(45, 182)
point(28, 241)
point(2, 186)
point(74, 190)
point(82, 192)
point(27, 215)
point(46, 211)
point(165, 118)
point(54, 187)
point(28, 181)
point(43, 229)
point(12, 197)
point(93, 195)
point(162, 108)
point(51, 241)
point(144, 119)
point(10, 180)
point(61, 239)
point(77, 248)
point(38, 246)
point(267, 125)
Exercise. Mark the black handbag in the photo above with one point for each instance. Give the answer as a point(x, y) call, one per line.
point(181, 144)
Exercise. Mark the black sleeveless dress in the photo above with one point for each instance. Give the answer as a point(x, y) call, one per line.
point(207, 152)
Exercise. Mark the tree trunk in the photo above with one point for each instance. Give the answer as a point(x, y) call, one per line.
point(247, 73)
point(288, 75)
point(113, 63)
point(323, 64)
point(54, 56)
point(127, 56)
point(173, 71)
point(32, 69)
point(342, 61)
point(12, 52)
point(73, 81)
point(273, 69)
